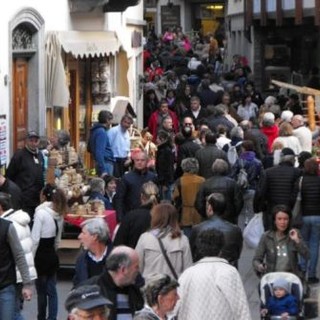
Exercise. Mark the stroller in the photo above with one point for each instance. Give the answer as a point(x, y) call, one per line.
point(296, 289)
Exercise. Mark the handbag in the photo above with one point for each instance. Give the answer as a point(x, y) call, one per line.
point(253, 231)
point(163, 250)
point(297, 210)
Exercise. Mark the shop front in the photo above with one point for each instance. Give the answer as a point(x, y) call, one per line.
point(93, 76)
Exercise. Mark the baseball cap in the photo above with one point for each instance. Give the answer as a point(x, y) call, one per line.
point(86, 297)
point(32, 134)
point(281, 283)
point(287, 152)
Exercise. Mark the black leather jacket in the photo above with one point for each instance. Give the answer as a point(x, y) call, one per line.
point(232, 236)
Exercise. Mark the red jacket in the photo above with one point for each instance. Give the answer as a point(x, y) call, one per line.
point(154, 126)
point(271, 133)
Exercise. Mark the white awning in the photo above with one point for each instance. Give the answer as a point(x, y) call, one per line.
point(56, 84)
point(89, 43)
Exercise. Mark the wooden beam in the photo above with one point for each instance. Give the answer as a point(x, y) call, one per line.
point(263, 13)
point(317, 13)
point(303, 90)
point(298, 12)
point(279, 14)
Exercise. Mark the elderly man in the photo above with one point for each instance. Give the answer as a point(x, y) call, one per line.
point(95, 240)
point(86, 302)
point(196, 112)
point(215, 207)
point(118, 283)
point(26, 169)
point(302, 132)
point(211, 288)
point(222, 183)
point(128, 192)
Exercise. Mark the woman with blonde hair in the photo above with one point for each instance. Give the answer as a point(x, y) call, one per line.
point(164, 248)
point(46, 235)
point(137, 221)
point(287, 138)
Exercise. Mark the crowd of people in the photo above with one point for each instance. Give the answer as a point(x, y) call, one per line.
point(213, 153)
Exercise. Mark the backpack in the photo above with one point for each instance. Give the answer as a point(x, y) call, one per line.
point(232, 153)
point(242, 179)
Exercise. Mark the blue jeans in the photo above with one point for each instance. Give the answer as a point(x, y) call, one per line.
point(7, 302)
point(311, 235)
point(47, 295)
point(109, 165)
point(19, 302)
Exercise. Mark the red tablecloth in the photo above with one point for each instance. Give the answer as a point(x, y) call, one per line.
point(110, 218)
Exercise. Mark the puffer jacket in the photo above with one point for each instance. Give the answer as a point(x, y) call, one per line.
point(277, 186)
point(310, 194)
point(21, 221)
point(267, 252)
point(229, 188)
point(232, 234)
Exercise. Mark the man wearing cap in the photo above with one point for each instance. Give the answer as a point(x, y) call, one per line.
point(86, 302)
point(277, 186)
point(118, 283)
point(26, 169)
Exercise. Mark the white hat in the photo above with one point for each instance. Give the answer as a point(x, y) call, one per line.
point(286, 115)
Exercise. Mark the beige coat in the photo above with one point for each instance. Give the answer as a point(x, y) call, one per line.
point(152, 260)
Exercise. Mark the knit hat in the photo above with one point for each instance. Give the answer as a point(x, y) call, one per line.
point(281, 283)
point(86, 297)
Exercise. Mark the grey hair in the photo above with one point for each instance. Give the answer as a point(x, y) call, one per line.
point(117, 260)
point(190, 165)
point(97, 185)
point(98, 227)
point(236, 132)
point(220, 110)
point(220, 167)
point(158, 284)
point(63, 137)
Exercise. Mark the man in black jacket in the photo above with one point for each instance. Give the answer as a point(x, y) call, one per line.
point(118, 283)
point(26, 169)
point(277, 186)
point(216, 206)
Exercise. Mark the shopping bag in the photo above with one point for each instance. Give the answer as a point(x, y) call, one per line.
point(253, 231)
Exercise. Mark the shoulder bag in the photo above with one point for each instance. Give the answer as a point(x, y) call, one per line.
point(163, 250)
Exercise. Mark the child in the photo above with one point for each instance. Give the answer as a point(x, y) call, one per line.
point(282, 303)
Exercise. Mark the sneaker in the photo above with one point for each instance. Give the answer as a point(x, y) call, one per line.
point(313, 280)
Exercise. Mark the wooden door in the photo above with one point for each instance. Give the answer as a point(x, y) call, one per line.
point(20, 102)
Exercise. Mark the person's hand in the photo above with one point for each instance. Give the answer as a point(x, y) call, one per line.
point(261, 268)
point(127, 163)
point(284, 316)
point(264, 312)
point(27, 293)
point(293, 234)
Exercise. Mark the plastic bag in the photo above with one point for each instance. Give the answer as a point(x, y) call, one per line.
point(253, 231)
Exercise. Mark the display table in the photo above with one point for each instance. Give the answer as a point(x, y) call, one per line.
point(109, 216)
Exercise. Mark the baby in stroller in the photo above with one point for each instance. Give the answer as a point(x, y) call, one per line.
point(280, 297)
